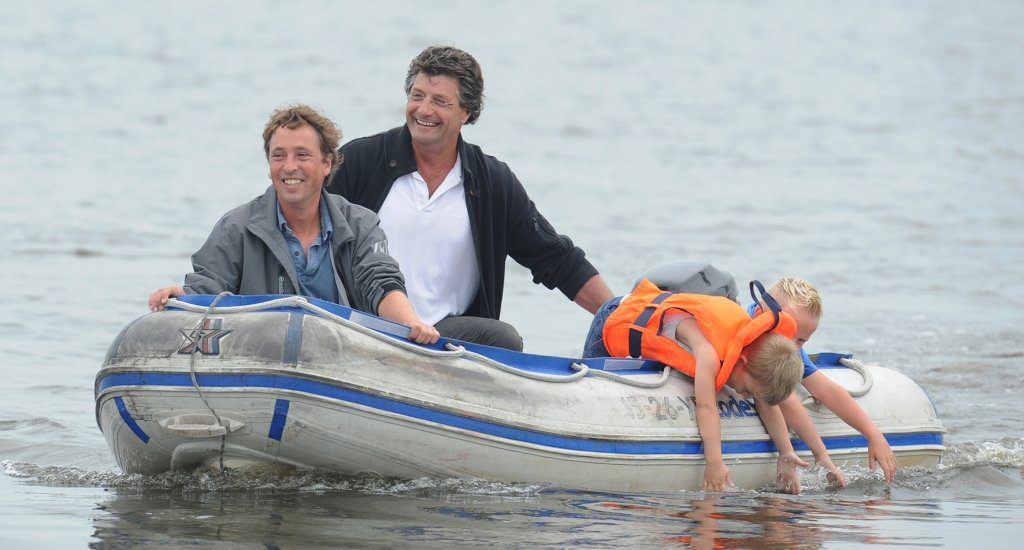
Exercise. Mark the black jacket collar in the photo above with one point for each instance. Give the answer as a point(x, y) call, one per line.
point(401, 160)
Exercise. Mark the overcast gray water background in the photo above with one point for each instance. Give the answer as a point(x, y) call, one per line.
point(875, 148)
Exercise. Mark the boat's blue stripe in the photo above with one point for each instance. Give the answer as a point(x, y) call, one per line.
point(280, 417)
point(129, 421)
point(293, 338)
point(285, 382)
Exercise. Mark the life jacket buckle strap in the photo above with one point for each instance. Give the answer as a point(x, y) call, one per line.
point(635, 333)
point(767, 300)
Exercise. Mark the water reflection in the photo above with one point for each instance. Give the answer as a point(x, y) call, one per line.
point(272, 519)
point(732, 520)
point(770, 523)
point(755, 520)
point(444, 513)
point(288, 508)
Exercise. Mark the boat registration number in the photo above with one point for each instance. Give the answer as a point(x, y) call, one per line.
point(638, 407)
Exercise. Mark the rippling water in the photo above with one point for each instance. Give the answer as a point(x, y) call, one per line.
point(875, 148)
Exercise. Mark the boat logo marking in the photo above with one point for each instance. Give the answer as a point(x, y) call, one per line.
point(664, 409)
point(207, 338)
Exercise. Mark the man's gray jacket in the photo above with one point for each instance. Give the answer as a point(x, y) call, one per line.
point(247, 254)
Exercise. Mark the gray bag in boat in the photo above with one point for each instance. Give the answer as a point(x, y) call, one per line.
point(685, 277)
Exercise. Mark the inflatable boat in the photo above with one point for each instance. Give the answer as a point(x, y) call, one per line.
point(253, 381)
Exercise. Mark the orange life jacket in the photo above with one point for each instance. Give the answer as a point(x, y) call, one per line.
point(632, 330)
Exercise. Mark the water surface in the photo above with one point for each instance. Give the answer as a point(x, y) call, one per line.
point(874, 148)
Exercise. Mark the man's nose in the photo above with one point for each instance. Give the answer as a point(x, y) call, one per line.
point(426, 107)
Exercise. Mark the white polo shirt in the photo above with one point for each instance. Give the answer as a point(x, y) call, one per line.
point(432, 241)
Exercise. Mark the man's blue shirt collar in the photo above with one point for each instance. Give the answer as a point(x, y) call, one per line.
point(326, 228)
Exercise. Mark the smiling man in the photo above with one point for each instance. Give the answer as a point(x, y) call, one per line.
point(453, 214)
point(296, 239)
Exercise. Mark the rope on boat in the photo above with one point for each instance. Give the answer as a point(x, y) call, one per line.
point(857, 366)
point(665, 375)
point(452, 351)
point(519, 372)
point(195, 382)
point(301, 303)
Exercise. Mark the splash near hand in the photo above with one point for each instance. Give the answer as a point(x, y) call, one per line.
point(836, 478)
point(787, 476)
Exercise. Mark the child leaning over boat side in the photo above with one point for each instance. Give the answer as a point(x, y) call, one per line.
point(714, 340)
point(802, 301)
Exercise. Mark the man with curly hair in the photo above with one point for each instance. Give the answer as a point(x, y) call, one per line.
point(453, 214)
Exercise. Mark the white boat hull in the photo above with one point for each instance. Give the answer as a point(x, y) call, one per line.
point(297, 389)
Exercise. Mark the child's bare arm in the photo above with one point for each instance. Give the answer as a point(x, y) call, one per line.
point(838, 400)
point(716, 473)
point(799, 421)
point(787, 475)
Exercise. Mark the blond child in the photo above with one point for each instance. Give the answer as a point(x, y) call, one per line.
point(712, 339)
point(801, 300)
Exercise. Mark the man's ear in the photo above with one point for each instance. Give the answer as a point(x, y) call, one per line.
point(741, 361)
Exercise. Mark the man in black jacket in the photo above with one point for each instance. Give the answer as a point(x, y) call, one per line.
point(453, 213)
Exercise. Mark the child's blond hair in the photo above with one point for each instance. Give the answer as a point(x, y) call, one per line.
point(774, 362)
point(797, 293)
